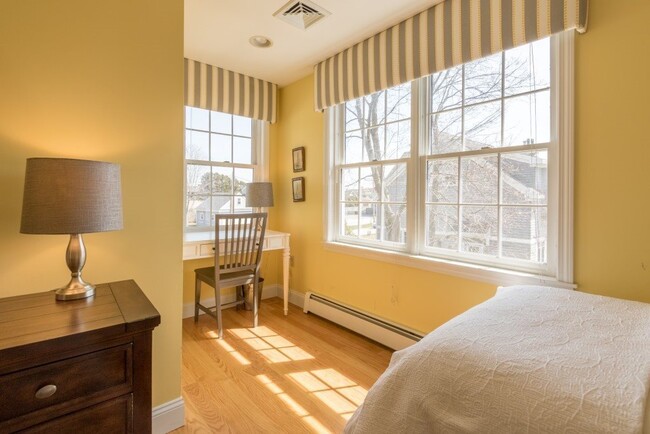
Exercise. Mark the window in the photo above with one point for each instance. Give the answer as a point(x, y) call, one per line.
point(222, 155)
point(461, 166)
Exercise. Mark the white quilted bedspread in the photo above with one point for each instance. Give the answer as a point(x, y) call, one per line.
point(531, 359)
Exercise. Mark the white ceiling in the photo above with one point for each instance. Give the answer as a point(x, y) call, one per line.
point(217, 33)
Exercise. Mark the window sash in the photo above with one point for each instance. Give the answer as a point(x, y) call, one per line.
point(259, 165)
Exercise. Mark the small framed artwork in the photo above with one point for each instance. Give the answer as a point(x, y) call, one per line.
point(298, 188)
point(298, 159)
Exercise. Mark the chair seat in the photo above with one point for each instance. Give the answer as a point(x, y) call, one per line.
point(226, 279)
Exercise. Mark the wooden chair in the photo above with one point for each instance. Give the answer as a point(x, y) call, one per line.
point(239, 240)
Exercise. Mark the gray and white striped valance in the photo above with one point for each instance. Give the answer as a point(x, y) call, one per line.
point(213, 88)
point(449, 33)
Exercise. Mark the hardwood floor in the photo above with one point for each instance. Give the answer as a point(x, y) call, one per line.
point(297, 373)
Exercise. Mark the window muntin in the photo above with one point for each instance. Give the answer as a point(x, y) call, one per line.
point(481, 164)
point(376, 147)
point(220, 159)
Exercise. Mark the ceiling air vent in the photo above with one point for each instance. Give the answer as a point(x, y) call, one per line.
point(301, 13)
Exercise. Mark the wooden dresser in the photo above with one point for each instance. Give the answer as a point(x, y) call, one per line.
point(81, 366)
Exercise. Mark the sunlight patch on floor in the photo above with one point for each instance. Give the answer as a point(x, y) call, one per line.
point(291, 404)
point(273, 347)
point(333, 389)
point(228, 348)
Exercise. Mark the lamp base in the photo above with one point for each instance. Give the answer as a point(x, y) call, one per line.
point(74, 290)
point(75, 257)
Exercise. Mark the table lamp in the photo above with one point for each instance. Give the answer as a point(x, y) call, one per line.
point(75, 197)
point(259, 194)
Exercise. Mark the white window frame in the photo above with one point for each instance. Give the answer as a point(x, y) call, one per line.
point(260, 166)
point(559, 269)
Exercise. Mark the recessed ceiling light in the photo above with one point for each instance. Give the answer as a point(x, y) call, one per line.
point(260, 41)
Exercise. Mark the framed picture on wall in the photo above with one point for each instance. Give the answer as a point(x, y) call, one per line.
point(298, 155)
point(298, 189)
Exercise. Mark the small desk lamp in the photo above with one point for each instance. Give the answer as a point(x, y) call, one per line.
point(259, 194)
point(66, 196)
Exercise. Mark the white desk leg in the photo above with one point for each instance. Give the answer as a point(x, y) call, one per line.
point(286, 258)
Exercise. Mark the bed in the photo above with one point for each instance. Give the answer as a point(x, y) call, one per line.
point(530, 359)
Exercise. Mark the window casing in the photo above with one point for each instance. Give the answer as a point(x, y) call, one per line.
point(223, 152)
point(487, 178)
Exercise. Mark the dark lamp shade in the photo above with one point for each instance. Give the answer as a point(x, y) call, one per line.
point(259, 194)
point(66, 196)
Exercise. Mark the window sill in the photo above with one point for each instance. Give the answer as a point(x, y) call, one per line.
point(479, 273)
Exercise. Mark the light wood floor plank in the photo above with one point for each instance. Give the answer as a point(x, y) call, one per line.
point(292, 374)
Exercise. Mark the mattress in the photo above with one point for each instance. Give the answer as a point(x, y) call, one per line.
point(530, 359)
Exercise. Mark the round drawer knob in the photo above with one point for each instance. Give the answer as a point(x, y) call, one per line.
point(45, 391)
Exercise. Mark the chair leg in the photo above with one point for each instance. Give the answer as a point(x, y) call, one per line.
point(255, 303)
point(197, 298)
point(217, 299)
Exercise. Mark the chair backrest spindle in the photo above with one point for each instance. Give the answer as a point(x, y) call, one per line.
point(239, 240)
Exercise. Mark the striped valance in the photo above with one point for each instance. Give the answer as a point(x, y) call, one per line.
point(213, 88)
point(449, 33)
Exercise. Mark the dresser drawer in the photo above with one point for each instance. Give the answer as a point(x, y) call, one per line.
point(112, 417)
point(76, 378)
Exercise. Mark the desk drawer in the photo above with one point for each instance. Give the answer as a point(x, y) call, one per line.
point(75, 378)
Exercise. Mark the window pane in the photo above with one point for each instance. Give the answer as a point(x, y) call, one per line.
point(398, 140)
point(243, 176)
point(196, 145)
point(242, 150)
point(221, 148)
point(394, 182)
point(241, 126)
point(446, 89)
point(528, 67)
point(446, 132)
point(350, 226)
point(442, 180)
point(221, 122)
point(480, 230)
point(375, 108)
point(527, 119)
point(479, 179)
point(524, 177)
point(398, 102)
point(370, 183)
point(197, 119)
point(442, 226)
point(353, 147)
point(221, 205)
point(524, 233)
point(239, 204)
point(350, 184)
point(222, 180)
point(368, 224)
point(374, 145)
point(354, 115)
point(483, 79)
point(394, 223)
point(198, 211)
point(198, 179)
point(483, 126)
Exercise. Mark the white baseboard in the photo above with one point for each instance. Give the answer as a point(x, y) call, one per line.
point(296, 298)
point(168, 416)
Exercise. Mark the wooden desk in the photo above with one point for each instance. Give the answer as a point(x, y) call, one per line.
point(198, 245)
point(79, 365)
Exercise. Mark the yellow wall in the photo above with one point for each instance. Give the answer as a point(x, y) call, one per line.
point(99, 80)
point(612, 194)
point(612, 148)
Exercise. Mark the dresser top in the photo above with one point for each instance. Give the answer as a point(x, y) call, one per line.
point(117, 308)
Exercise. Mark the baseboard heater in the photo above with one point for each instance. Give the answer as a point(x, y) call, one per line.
point(385, 332)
